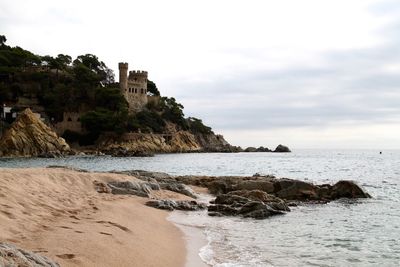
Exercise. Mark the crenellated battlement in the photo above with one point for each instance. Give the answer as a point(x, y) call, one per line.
point(123, 65)
point(138, 72)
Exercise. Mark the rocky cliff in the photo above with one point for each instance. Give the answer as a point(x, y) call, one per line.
point(29, 136)
point(173, 142)
point(215, 143)
point(181, 141)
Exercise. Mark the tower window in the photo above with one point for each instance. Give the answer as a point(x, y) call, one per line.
point(141, 91)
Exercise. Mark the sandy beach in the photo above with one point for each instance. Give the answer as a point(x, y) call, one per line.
point(57, 213)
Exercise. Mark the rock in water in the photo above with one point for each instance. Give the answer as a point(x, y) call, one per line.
point(282, 149)
point(167, 204)
point(10, 255)
point(29, 136)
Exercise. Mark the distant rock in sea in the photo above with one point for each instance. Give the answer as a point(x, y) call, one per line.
point(282, 149)
point(29, 136)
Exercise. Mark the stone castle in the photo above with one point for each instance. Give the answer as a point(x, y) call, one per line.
point(133, 87)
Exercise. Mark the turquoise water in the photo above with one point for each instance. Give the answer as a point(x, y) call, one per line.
point(341, 233)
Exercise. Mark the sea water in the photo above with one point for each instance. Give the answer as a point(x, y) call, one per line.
point(342, 233)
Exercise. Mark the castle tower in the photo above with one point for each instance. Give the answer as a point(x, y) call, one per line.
point(123, 76)
point(133, 87)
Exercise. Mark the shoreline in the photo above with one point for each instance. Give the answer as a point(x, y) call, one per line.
point(194, 238)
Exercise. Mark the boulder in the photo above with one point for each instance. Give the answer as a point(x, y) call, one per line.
point(29, 136)
point(348, 189)
point(179, 188)
point(295, 190)
point(142, 189)
point(176, 205)
point(11, 255)
point(257, 195)
point(250, 149)
point(253, 204)
point(263, 149)
point(282, 149)
point(263, 185)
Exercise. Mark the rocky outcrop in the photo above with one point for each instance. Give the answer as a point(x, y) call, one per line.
point(215, 143)
point(167, 204)
point(178, 188)
point(142, 189)
point(284, 188)
point(29, 136)
point(12, 256)
point(258, 196)
point(259, 149)
point(249, 204)
point(282, 149)
point(142, 144)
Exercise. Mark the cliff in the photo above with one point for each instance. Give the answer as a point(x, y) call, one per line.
point(132, 143)
point(173, 142)
point(215, 143)
point(29, 136)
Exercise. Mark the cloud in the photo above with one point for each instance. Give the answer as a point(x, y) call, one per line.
point(281, 67)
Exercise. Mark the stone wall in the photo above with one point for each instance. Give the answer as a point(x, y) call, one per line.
point(71, 121)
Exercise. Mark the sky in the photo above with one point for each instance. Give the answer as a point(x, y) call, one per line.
point(304, 73)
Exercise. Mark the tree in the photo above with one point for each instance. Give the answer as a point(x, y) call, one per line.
point(152, 88)
point(63, 61)
point(92, 63)
point(3, 40)
point(173, 111)
point(197, 126)
point(111, 99)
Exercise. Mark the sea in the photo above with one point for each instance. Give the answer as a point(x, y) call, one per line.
point(363, 232)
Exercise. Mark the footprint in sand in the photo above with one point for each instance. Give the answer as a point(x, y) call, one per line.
point(123, 228)
point(66, 256)
point(65, 227)
point(104, 233)
point(8, 214)
point(74, 217)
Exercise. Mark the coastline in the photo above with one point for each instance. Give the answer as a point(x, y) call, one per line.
point(194, 238)
point(58, 214)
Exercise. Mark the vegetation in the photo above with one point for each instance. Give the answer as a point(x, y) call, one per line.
point(62, 84)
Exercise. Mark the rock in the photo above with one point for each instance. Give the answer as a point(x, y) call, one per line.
point(125, 152)
point(266, 186)
point(50, 155)
point(258, 210)
point(101, 187)
point(295, 190)
point(215, 143)
point(257, 195)
point(254, 204)
point(145, 175)
point(176, 205)
point(142, 189)
point(259, 149)
point(29, 136)
point(263, 149)
point(348, 189)
point(250, 149)
point(11, 256)
point(282, 149)
point(178, 188)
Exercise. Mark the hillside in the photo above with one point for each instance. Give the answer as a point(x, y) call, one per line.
point(85, 87)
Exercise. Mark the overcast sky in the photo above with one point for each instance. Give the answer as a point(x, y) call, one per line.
point(305, 73)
